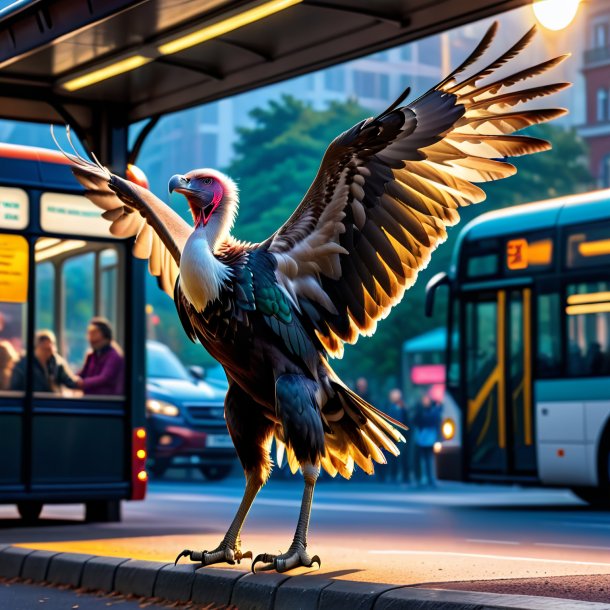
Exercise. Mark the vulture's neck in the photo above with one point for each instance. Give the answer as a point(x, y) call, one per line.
point(202, 275)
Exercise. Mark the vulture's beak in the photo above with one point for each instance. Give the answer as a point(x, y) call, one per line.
point(179, 184)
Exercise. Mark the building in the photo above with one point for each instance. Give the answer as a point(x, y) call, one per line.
point(596, 71)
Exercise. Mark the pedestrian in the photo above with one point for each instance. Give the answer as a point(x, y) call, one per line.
point(398, 468)
point(362, 388)
point(427, 423)
point(104, 368)
point(51, 372)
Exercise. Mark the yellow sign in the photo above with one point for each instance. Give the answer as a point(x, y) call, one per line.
point(13, 269)
point(521, 254)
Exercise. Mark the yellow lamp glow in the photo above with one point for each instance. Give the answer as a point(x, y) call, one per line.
point(448, 429)
point(119, 67)
point(555, 14)
point(142, 475)
point(141, 454)
point(227, 25)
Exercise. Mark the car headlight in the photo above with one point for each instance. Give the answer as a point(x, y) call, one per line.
point(160, 407)
point(448, 429)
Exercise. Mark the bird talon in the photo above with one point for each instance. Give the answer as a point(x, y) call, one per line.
point(315, 559)
point(268, 560)
point(185, 553)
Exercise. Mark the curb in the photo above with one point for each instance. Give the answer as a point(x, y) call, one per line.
point(248, 591)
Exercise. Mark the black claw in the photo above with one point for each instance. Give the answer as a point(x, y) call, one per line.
point(316, 559)
point(185, 553)
point(264, 558)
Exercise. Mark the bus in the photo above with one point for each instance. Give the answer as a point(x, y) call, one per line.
point(528, 363)
point(59, 268)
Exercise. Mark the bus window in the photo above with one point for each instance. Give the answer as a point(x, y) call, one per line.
point(482, 265)
point(13, 312)
point(589, 246)
point(588, 317)
point(548, 357)
point(77, 283)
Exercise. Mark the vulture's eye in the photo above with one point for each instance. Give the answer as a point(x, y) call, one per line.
point(207, 181)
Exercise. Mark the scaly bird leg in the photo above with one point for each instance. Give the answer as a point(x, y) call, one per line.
point(229, 550)
point(297, 553)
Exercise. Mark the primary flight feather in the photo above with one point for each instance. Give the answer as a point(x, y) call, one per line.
point(272, 313)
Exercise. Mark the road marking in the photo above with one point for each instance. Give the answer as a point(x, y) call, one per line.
point(483, 556)
point(573, 546)
point(317, 506)
point(480, 540)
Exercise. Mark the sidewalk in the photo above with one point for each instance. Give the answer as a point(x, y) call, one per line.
point(244, 590)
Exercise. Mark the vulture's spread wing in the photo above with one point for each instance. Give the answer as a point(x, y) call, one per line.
point(389, 187)
point(134, 211)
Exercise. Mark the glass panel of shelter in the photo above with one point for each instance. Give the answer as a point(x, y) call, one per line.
point(77, 282)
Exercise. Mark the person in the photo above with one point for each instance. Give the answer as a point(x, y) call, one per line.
point(51, 371)
point(104, 369)
point(8, 358)
point(398, 467)
point(427, 423)
point(362, 388)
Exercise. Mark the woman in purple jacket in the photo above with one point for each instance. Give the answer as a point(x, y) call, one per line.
point(104, 369)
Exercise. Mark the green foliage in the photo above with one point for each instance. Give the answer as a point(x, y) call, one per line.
point(276, 161)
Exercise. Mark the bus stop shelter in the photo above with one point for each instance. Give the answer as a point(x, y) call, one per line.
point(100, 65)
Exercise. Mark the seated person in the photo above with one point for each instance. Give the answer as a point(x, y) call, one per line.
point(8, 358)
point(103, 371)
point(51, 371)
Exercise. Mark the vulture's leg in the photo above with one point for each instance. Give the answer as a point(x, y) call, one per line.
point(251, 433)
point(297, 406)
point(297, 554)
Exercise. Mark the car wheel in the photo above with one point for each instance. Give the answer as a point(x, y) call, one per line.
point(216, 472)
point(29, 511)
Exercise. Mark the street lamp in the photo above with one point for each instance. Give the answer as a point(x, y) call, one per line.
point(555, 14)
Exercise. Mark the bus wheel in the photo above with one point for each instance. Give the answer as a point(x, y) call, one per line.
point(29, 511)
point(599, 497)
point(216, 473)
point(103, 511)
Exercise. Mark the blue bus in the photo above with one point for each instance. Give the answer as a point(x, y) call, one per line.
point(529, 359)
point(59, 268)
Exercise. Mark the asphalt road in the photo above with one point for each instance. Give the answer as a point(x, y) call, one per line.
point(362, 531)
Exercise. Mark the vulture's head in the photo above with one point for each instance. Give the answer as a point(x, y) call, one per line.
point(212, 198)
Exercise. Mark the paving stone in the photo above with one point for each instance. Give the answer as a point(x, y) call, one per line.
point(413, 598)
point(67, 568)
point(215, 585)
point(300, 592)
point(257, 591)
point(99, 573)
point(343, 594)
point(11, 561)
point(36, 565)
point(175, 583)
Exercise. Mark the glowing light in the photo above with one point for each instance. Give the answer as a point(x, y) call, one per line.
point(448, 429)
point(594, 248)
point(575, 310)
point(165, 440)
point(225, 26)
point(142, 475)
point(141, 433)
point(555, 14)
point(149, 309)
point(161, 407)
point(437, 447)
point(140, 453)
point(119, 67)
point(592, 297)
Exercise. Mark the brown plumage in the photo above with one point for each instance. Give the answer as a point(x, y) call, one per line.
point(272, 313)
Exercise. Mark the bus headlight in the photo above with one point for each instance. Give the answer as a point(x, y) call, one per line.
point(448, 429)
point(160, 407)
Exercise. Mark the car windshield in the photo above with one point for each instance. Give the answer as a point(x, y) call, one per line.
point(163, 363)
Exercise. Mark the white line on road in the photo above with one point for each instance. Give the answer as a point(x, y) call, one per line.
point(482, 556)
point(573, 546)
point(352, 508)
point(480, 540)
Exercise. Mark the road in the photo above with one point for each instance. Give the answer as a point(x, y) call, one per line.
point(362, 531)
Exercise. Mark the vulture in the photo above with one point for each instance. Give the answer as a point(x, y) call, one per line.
point(273, 313)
